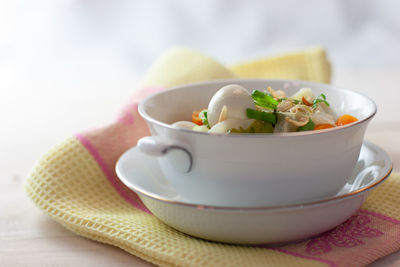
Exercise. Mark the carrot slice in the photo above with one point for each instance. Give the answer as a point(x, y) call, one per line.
point(323, 126)
point(345, 119)
point(196, 119)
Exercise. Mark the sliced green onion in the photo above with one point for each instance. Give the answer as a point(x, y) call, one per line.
point(319, 99)
point(264, 100)
point(308, 127)
point(203, 116)
point(261, 115)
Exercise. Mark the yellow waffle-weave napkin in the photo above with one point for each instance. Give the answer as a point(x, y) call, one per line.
point(75, 183)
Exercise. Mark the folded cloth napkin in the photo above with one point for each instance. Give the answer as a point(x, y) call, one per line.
point(75, 184)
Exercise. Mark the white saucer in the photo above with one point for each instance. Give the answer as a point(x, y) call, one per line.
point(251, 225)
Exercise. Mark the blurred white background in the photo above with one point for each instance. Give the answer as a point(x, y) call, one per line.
point(54, 54)
point(85, 39)
point(69, 65)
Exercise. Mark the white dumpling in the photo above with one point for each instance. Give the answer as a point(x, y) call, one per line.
point(236, 99)
point(184, 125)
point(200, 128)
point(323, 115)
point(226, 125)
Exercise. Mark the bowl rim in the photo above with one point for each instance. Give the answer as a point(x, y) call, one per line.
point(145, 193)
point(150, 119)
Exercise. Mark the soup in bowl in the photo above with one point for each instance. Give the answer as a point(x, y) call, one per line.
point(240, 167)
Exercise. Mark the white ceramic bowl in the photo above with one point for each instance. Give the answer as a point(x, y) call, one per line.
point(253, 169)
point(251, 225)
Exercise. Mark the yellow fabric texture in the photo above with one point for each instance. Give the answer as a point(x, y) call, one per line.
point(69, 185)
point(179, 66)
point(309, 65)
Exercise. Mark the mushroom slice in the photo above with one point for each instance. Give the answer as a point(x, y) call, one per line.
point(222, 115)
point(277, 94)
point(302, 109)
point(301, 114)
point(301, 122)
point(285, 105)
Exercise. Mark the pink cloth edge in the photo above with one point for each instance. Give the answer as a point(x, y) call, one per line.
point(112, 178)
point(380, 216)
point(330, 263)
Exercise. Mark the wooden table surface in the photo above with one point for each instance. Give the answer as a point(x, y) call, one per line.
point(43, 113)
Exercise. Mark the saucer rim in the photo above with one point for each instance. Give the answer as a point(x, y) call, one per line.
point(351, 194)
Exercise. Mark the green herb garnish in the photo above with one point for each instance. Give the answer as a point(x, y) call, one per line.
point(319, 99)
point(203, 116)
point(308, 127)
point(264, 100)
point(261, 115)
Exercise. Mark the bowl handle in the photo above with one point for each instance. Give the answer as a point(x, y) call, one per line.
point(161, 145)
